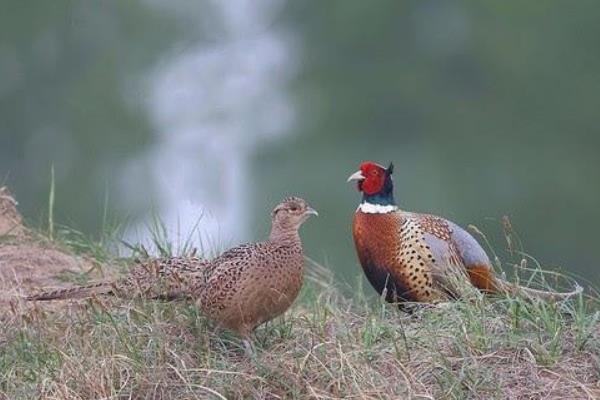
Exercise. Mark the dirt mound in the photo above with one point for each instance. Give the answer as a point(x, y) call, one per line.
point(27, 265)
point(27, 260)
point(11, 222)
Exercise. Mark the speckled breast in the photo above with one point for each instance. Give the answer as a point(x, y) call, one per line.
point(394, 256)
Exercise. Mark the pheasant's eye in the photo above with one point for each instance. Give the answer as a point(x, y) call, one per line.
point(294, 208)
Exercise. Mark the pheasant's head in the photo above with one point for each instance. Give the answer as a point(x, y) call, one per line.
point(375, 182)
point(289, 215)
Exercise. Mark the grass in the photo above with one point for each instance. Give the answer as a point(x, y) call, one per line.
point(330, 345)
point(51, 204)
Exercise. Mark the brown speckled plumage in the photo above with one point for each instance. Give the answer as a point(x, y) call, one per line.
point(253, 283)
point(164, 278)
point(242, 288)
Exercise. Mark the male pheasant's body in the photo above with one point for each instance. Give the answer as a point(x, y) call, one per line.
point(415, 257)
point(242, 288)
point(419, 257)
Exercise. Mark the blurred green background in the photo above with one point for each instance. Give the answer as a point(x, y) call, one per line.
point(219, 109)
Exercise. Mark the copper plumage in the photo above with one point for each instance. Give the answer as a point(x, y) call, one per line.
point(419, 257)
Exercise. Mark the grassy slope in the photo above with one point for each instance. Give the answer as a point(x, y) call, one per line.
point(327, 346)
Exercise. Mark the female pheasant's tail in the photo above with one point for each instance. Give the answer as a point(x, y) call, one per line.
point(79, 292)
point(502, 286)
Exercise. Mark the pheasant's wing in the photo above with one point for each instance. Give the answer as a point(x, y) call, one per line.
point(445, 261)
point(476, 261)
point(425, 258)
point(222, 279)
point(164, 278)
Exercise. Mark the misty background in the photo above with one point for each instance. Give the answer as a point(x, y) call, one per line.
point(218, 109)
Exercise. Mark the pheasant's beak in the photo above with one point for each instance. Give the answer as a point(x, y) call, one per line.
point(311, 211)
point(357, 176)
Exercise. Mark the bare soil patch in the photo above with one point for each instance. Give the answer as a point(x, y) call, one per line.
point(27, 260)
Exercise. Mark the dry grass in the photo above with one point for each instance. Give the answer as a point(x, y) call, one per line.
point(326, 347)
point(329, 345)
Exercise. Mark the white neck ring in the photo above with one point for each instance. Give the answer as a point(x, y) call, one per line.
point(369, 208)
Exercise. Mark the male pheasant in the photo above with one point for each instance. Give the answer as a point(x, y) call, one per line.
point(242, 288)
point(418, 257)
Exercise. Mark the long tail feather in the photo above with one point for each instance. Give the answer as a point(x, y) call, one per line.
point(511, 288)
point(79, 292)
point(167, 279)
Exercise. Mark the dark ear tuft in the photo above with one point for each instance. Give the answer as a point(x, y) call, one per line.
point(390, 169)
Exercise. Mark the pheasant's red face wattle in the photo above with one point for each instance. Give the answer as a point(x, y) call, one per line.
point(374, 178)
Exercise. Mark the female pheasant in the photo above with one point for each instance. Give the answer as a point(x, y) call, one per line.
point(418, 257)
point(242, 288)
